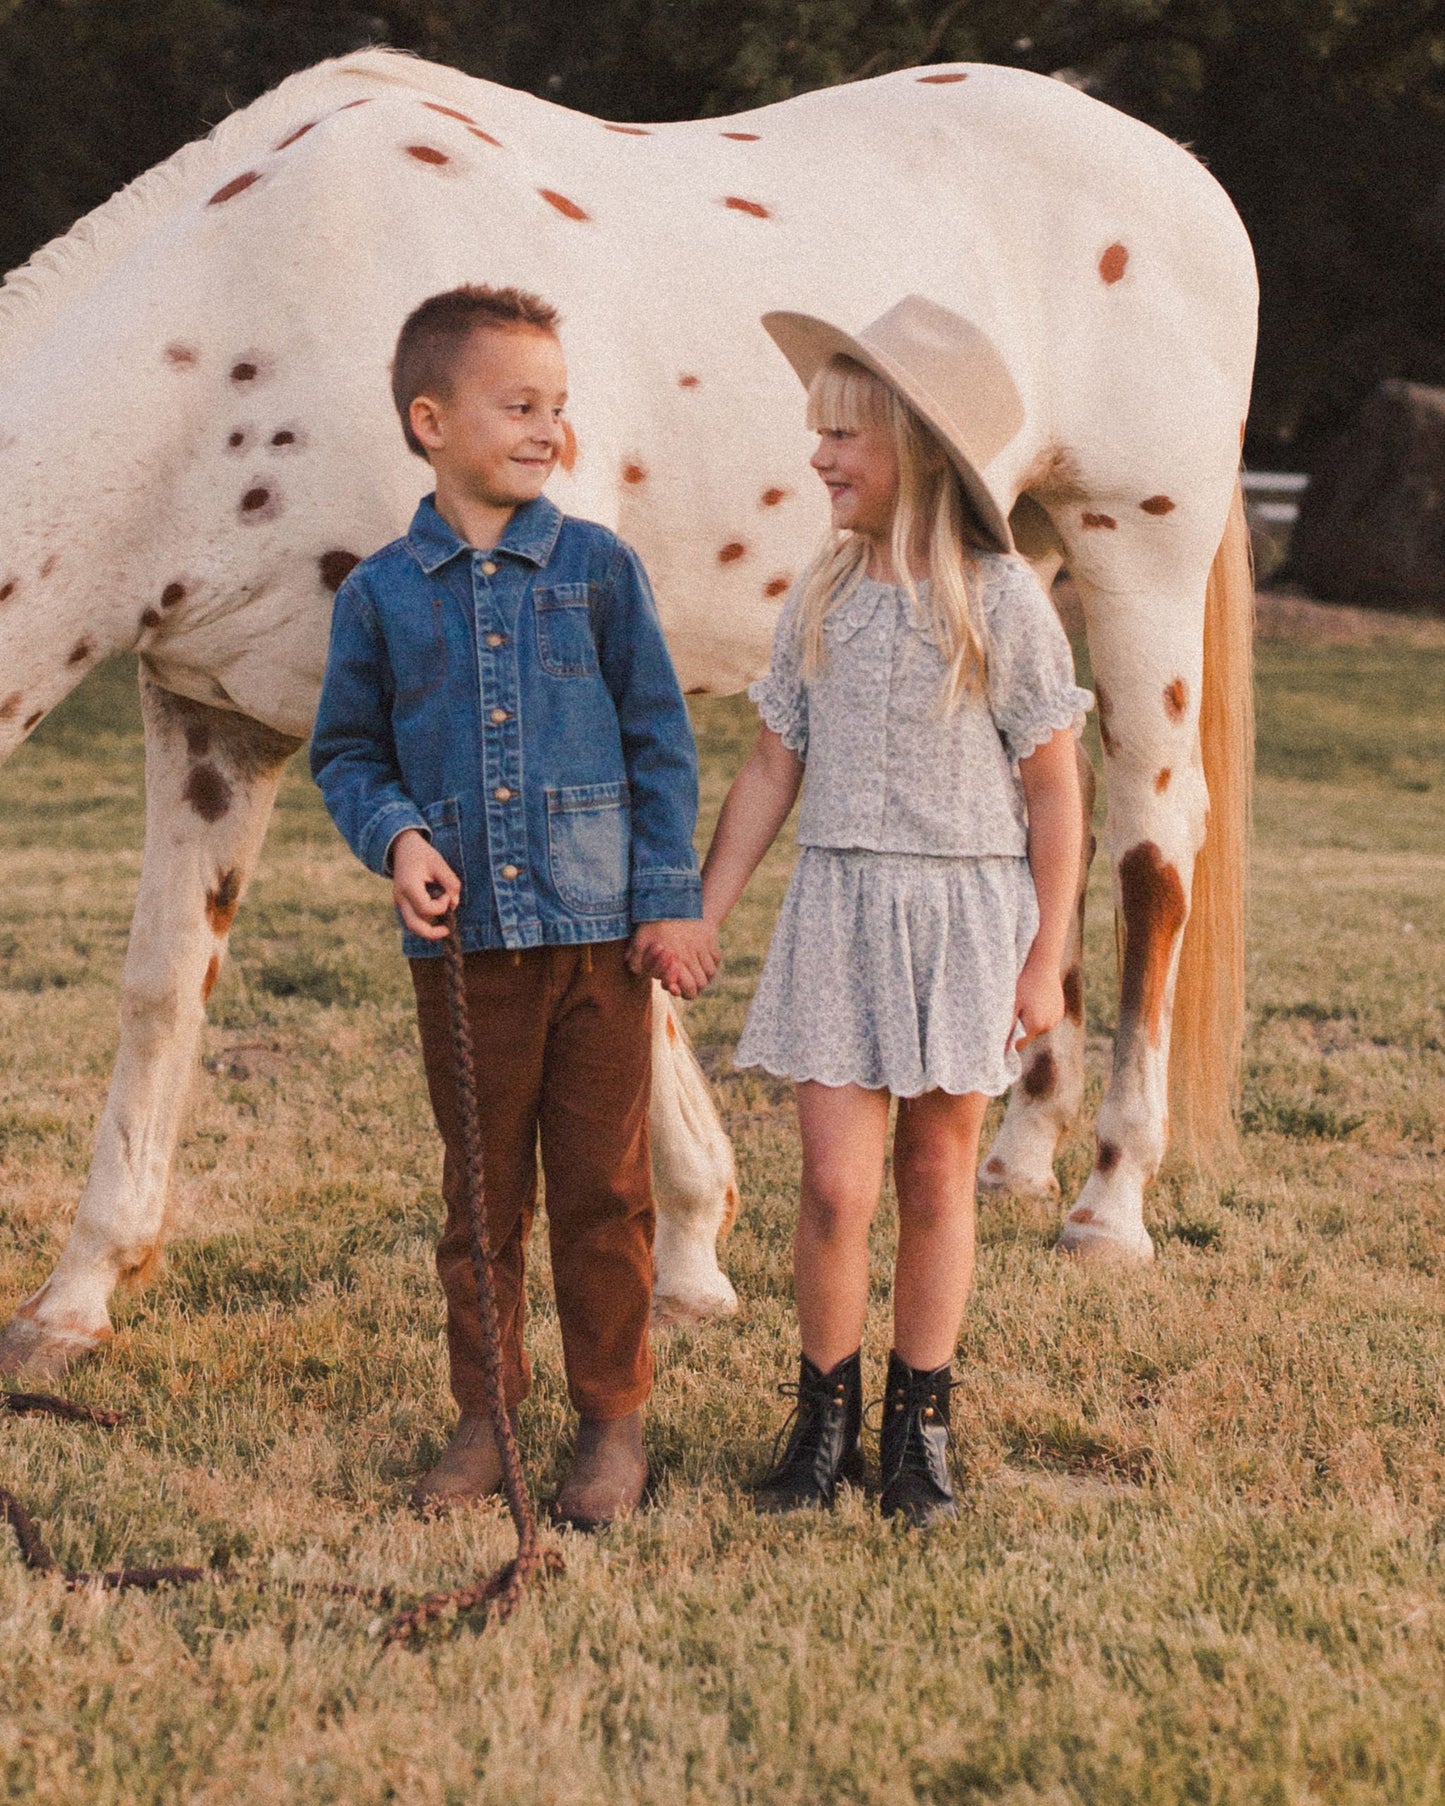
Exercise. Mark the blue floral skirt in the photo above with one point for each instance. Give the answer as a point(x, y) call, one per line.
point(895, 971)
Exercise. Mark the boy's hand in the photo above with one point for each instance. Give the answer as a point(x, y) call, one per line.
point(416, 865)
point(683, 954)
point(1038, 1000)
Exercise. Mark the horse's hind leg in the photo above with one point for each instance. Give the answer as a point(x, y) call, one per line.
point(211, 779)
point(1044, 1103)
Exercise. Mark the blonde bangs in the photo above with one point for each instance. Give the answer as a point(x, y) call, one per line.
point(844, 396)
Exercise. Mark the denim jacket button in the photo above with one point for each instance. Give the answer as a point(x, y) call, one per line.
point(496, 639)
point(489, 569)
point(503, 794)
point(511, 871)
point(500, 715)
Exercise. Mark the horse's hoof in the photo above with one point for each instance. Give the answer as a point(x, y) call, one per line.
point(677, 1310)
point(31, 1351)
point(995, 1176)
point(1097, 1247)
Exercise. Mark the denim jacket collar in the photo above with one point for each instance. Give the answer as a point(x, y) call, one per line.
point(531, 534)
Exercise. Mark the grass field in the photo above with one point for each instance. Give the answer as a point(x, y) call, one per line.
point(1200, 1557)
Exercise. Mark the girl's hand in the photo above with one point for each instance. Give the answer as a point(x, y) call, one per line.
point(1038, 1000)
point(416, 866)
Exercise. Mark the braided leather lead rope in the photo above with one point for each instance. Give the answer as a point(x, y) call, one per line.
point(505, 1587)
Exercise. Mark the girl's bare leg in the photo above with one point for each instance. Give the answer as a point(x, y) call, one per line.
point(935, 1156)
point(844, 1131)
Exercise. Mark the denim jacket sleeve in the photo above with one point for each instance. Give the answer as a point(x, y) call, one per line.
point(657, 746)
point(353, 754)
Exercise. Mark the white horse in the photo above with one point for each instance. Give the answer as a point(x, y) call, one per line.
point(196, 443)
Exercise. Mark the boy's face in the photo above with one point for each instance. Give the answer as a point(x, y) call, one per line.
point(498, 435)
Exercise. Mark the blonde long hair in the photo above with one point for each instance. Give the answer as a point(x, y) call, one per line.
point(932, 516)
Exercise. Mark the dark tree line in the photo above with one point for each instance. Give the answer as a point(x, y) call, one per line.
point(1324, 119)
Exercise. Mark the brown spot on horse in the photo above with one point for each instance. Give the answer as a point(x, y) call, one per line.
point(731, 552)
point(50, 564)
point(1154, 910)
point(1106, 1157)
point(742, 137)
point(150, 619)
point(223, 901)
point(10, 708)
point(1105, 521)
point(1083, 1215)
point(1175, 697)
point(754, 209)
point(568, 209)
point(433, 106)
point(285, 437)
point(82, 650)
point(634, 473)
point(32, 721)
point(8, 588)
point(937, 81)
point(1161, 780)
point(173, 595)
point(671, 1027)
point(335, 567)
point(428, 153)
point(1157, 504)
point(777, 586)
point(627, 131)
point(1042, 1076)
point(236, 439)
point(994, 1164)
point(213, 972)
point(771, 497)
point(237, 185)
point(1074, 994)
point(208, 793)
point(259, 503)
point(486, 137)
point(365, 101)
point(688, 381)
point(245, 371)
point(198, 736)
point(181, 357)
point(1113, 263)
point(300, 132)
point(567, 457)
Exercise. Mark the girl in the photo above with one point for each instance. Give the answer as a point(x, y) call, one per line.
point(922, 679)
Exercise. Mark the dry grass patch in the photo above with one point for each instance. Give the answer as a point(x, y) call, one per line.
point(1200, 1557)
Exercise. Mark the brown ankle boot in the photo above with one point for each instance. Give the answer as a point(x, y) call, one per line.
point(608, 1474)
point(470, 1469)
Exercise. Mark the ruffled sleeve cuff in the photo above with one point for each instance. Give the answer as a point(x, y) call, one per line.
point(1028, 731)
point(784, 708)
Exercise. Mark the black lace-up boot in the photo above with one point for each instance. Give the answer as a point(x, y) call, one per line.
point(825, 1444)
point(914, 1444)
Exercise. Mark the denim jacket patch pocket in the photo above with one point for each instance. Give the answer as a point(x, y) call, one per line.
point(444, 822)
point(589, 832)
point(565, 645)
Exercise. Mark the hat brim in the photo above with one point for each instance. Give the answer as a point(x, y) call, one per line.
point(807, 343)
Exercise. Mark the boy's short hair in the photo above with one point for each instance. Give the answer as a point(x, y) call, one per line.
point(433, 335)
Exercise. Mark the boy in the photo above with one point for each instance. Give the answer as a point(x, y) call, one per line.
point(500, 719)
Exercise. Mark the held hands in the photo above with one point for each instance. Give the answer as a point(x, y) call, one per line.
point(1038, 1000)
point(423, 885)
point(683, 954)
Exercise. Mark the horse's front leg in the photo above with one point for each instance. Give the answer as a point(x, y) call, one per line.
point(211, 780)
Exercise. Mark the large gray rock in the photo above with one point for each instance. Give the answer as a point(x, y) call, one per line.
point(1371, 527)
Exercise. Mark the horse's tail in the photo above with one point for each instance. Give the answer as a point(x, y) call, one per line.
point(1208, 1028)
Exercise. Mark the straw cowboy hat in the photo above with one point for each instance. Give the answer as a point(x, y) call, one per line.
point(943, 367)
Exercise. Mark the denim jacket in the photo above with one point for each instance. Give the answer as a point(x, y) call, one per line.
point(519, 707)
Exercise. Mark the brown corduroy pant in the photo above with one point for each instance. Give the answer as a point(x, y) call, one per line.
point(563, 1055)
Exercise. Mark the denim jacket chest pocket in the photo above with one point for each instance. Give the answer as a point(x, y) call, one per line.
point(565, 643)
point(417, 645)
